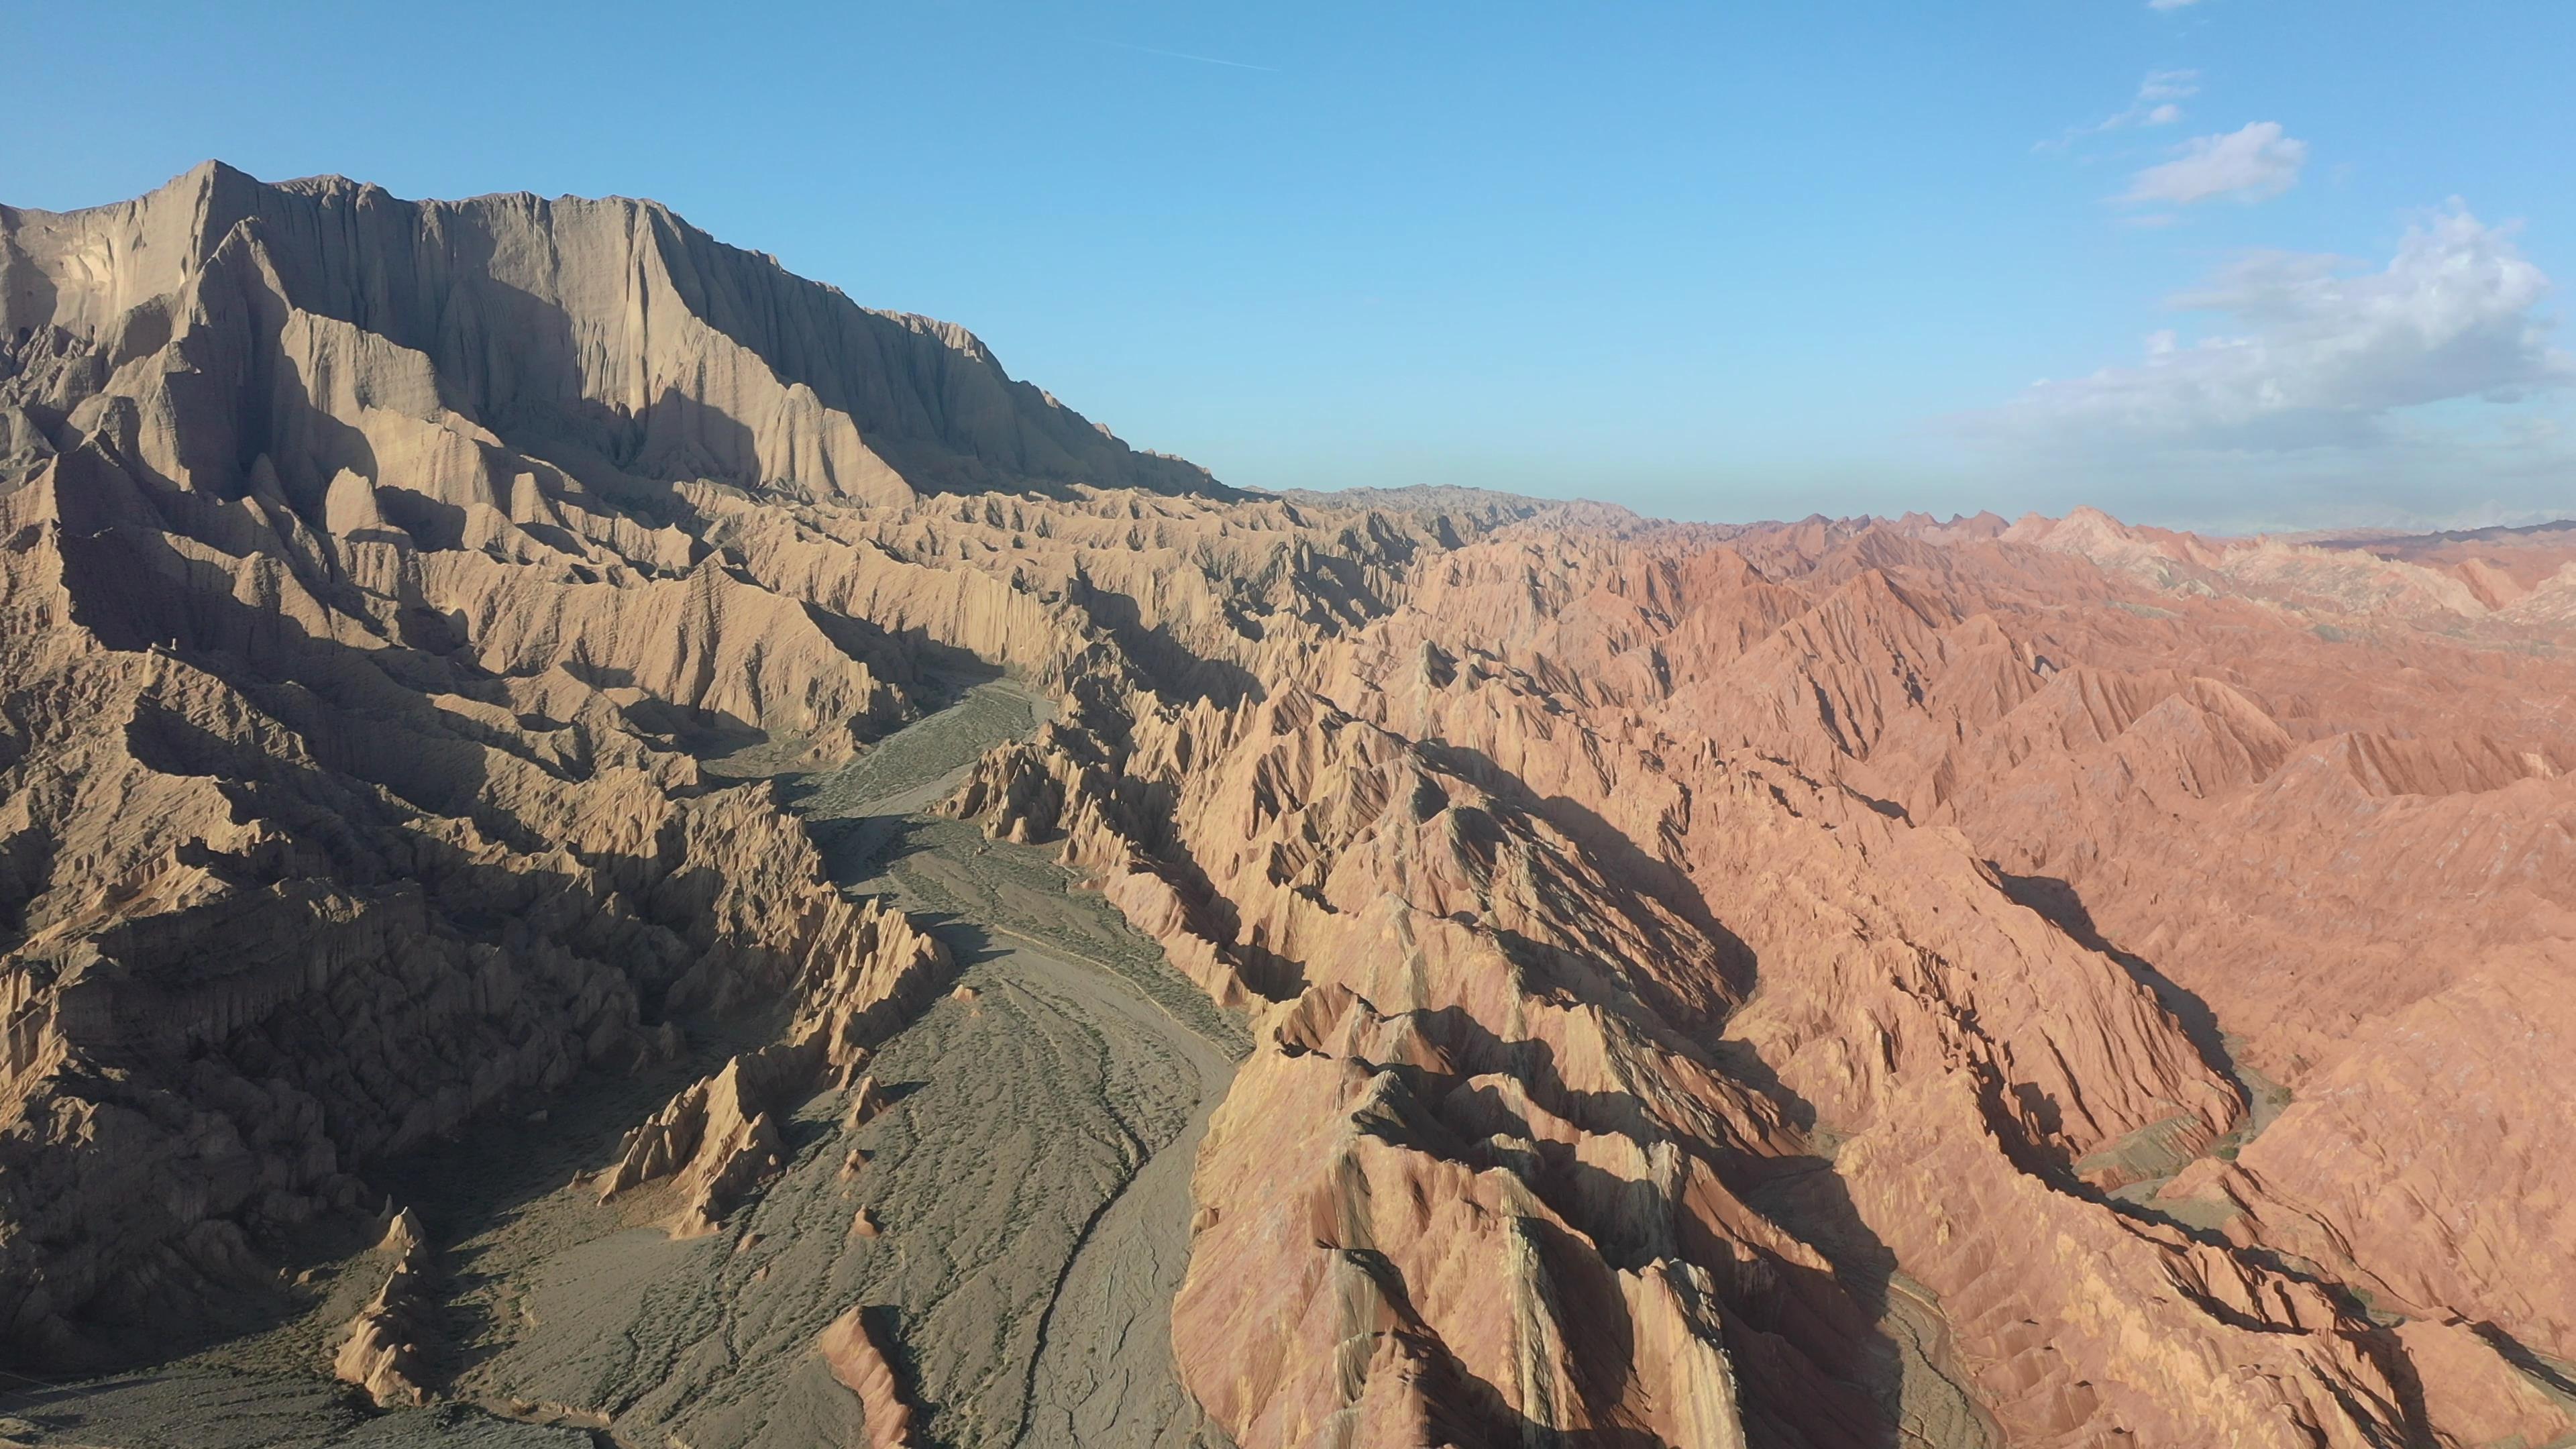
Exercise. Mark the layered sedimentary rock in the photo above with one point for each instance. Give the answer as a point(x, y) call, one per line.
point(360, 626)
point(1559, 811)
point(1836, 983)
point(715, 1137)
point(719, 1138)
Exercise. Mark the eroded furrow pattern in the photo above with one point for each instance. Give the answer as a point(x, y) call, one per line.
point(1018, 1115)
point(1017, 1220)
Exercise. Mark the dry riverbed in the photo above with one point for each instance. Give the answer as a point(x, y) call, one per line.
point(1014, 1231)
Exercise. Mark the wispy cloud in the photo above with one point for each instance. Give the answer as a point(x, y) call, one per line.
point(2158, 103)
point(2170, 4)
point(1183, 55)
point(2318, 355)
point(2247, 165)
point(2169, 85)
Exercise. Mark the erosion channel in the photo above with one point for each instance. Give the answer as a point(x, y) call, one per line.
point(1021, 1218)
point(1014, 1230)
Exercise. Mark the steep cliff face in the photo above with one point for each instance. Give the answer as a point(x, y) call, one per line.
point(607, 338)
point(364, 608)
point(1839, 983)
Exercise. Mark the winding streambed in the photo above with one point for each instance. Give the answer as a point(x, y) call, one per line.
point(1028, 1191)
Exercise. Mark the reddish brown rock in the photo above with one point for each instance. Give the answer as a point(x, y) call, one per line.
point(850, 1350)
point(1835, 983)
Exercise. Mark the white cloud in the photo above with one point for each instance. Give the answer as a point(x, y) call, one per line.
point(2170, 4)
point(2155, 105)
point(2248, 165)
point(2169, 85)
point(2317, 354)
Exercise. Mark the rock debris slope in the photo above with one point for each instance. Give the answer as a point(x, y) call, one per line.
point(481, 682)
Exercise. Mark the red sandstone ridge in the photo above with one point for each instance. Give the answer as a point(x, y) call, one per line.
point(1827, 858)
point(851, 1351)
point(1838, 983)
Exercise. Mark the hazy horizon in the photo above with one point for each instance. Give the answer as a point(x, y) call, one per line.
point(2199, 263)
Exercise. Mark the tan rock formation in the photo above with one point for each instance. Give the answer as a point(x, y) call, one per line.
point(866, 1101)
point(380, 1351)
point(850, 1350)
point(381, 1355)
point(1836, 983)
point(718, 1138)
point(713, 1139)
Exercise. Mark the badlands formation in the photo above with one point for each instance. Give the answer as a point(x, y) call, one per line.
point(599, 845)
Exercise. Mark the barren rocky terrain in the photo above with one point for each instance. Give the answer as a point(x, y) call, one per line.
point(601, 845)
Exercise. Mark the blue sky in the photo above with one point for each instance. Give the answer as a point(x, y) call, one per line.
point(2286, 262)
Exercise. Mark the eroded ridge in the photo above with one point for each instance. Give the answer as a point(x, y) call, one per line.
point(1022, 1141)
point(498, 691)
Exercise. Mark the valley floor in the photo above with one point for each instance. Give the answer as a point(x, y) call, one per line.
point(1015, 1231)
